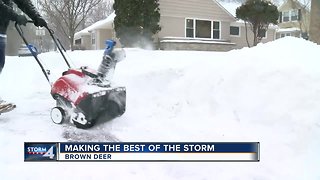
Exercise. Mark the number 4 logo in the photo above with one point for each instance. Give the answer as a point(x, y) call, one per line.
point(49, 153)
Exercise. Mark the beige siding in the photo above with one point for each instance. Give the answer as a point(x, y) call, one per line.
point(242, 42)
point(176, 27)
point(225, 31)
point(172, 26)
point(174, 14)
point(102, 36)
point(303, 24)
point(204, 9)
point(85, 42)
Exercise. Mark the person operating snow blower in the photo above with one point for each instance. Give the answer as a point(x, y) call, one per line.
point(8, 14)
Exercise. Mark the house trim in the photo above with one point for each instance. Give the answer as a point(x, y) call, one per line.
point(224, 9)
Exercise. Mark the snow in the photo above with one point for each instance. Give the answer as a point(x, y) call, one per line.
point(288, 29)
point(268, 94)
point(102, 24)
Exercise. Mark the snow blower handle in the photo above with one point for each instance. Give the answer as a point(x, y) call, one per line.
point(58, 44)
point(32, 50)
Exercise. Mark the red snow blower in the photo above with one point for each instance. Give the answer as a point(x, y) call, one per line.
point(83, 95)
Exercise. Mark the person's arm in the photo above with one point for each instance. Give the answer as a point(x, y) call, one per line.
point(8, 11)
point(27, 7)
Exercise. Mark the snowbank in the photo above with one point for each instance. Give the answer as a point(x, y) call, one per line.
point(269, 93)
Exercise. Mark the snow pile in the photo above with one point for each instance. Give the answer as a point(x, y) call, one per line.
point(269, 93)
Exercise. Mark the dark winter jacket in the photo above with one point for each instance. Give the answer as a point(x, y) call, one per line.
point(7, 13)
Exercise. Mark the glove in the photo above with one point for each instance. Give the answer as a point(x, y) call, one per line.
point(22, 20)
point(39, 21)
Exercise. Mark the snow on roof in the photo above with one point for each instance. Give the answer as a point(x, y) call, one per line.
point(102, 24)
point(288, 29)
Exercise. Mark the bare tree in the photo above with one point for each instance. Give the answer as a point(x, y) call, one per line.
point(99, 12)
point(66, 16)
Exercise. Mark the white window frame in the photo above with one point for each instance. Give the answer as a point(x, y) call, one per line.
point(291, 12)
point(219, 29)
point(239, 35)
point(290, 15)
point(194, 28)
point(284, 16)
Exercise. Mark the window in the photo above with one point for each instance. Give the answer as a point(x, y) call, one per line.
point(93, 38)
point(285, 34)
point(294, 15)
point(189, 28)
point(202, 29)
point(234, 31)
point(78, 41)
point(216, 30)
point(286, 16)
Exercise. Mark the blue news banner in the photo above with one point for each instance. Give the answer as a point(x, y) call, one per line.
point(142, 151)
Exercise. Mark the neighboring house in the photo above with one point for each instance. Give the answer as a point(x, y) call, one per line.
point(186, 25)
point(294, 19)
point(94, 36)
point(203, 25)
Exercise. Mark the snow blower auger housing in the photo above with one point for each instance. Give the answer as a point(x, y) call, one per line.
point(83, 95)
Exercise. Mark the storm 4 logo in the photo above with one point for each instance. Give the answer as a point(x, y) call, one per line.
point(40, 151)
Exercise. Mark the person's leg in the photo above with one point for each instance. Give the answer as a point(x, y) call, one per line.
point(4, 106)
point(2, 52)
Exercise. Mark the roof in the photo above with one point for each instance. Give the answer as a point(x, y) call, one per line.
point(102, 24)
point(225, 6)
point(306, 4)
point(230, 6)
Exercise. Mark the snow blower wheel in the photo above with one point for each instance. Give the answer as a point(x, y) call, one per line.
point(58, 115)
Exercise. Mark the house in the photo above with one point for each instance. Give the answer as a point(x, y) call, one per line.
point(204, 25)
point(294, 19)
point(186, 25)
point(94, 36)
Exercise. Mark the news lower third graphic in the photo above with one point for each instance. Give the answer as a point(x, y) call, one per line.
point(142, 151)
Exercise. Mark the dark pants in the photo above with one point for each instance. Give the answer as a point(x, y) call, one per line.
point(2, 52)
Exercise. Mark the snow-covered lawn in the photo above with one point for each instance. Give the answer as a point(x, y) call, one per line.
point(269, 94)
